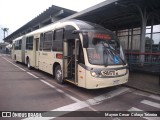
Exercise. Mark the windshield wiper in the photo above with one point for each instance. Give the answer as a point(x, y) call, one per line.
point(112, 52)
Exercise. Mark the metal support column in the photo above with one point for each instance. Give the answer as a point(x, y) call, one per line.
point(143, 34)
point(143, 15)
point(128, 39)
point(132, 39)
point(151, 38)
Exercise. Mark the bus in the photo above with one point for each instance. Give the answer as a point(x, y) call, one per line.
point(83, 53)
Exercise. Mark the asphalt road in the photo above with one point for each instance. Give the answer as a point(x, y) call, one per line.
point(33, 90)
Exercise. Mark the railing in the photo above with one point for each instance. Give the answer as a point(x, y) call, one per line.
point(151, 62)
point(150, 58)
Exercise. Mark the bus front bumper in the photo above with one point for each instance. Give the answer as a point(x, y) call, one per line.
point(102, 82)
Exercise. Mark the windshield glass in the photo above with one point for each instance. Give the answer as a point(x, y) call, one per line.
point(104, 49)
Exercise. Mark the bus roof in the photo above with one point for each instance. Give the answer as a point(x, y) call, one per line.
point(18, 38)
point(82, 25)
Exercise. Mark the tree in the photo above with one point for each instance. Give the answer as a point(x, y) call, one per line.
point(148, 43)
point(5, 30)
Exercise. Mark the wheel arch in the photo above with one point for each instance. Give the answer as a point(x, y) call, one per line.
point(27, 58)
point(54, 66)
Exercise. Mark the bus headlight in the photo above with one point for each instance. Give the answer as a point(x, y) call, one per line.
point(94, 74)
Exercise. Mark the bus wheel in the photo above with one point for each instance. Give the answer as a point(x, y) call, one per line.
point(58, 74)
point(28, 64)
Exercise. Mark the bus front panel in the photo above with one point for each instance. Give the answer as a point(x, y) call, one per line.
point(106, 78)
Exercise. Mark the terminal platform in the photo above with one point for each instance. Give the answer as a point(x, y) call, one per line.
point(146, 78)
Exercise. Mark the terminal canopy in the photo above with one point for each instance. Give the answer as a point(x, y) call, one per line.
point(112, 14)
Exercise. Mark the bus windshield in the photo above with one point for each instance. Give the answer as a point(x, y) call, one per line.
point(104, 49)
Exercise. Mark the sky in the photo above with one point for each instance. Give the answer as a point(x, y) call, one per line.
point(15, 13)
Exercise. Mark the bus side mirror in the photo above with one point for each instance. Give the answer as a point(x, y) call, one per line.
point(85, 41)
point(76, 31)
point(85, 37)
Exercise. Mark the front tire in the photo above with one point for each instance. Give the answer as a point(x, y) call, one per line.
point(58, 74)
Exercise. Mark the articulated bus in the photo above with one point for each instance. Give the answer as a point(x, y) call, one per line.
point(79, 52)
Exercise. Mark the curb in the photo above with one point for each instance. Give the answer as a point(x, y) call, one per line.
point(144, 90)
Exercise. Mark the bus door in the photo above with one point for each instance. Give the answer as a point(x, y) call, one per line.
point(37, 52)
point(65, 59)
point(70, 53)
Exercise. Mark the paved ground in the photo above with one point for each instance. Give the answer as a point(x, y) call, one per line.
point(146, 78)
point(34, 90)
point(144, 81)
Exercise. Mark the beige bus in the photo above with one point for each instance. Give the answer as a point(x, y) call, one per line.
point(79, 52)
point(17, 49)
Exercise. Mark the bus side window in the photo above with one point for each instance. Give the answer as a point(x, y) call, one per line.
point(13, 48)
point(58, 38)
point(59, 34)
point(68, 32)
point(47, 41)
point(41, 42)
point(17, 45)
point(29, 43)
point(20, 44)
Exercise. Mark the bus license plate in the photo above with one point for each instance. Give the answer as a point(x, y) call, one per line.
point(116, 82)
point(109, 73)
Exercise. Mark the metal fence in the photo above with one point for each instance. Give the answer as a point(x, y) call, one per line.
point(150, 58)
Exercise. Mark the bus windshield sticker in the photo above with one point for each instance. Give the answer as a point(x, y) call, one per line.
point(116, 59)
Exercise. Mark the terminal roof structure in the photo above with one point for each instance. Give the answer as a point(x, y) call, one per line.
point(112, 14)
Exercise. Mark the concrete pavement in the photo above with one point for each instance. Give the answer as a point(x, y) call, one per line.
point(148, 82)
